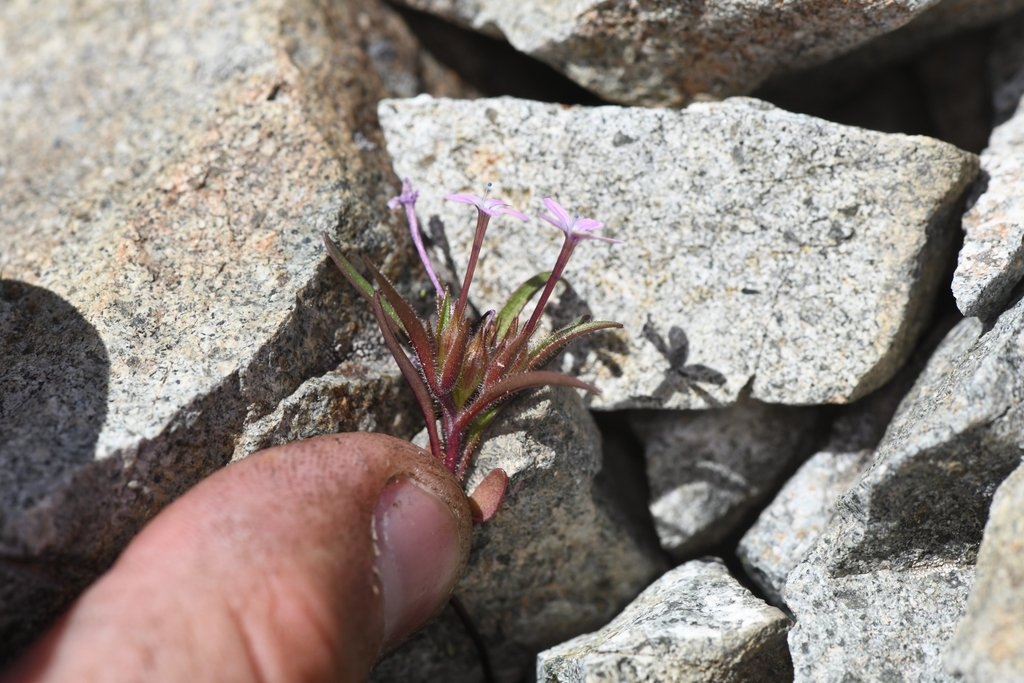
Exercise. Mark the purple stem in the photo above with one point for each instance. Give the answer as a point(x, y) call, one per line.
point(556, 274)
point(417, 239)
point(482, 219)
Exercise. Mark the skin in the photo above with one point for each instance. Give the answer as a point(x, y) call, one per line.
point(300, 563)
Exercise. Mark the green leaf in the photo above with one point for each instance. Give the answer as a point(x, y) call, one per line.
point(361, 284)
point(476, 429)
point(557, 341)
point(514, 306)
point(444, 312)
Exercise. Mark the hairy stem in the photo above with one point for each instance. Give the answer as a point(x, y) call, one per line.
point(482, 220)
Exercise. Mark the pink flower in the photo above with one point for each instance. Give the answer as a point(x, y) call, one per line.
point(488, 205)
point(576, 228)
point(407, 198)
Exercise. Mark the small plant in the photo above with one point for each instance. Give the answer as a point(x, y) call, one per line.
point(462, 370)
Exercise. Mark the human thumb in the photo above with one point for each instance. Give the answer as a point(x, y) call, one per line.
point(302, 562)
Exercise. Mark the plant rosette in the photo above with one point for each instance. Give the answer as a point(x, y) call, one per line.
point(462, 368)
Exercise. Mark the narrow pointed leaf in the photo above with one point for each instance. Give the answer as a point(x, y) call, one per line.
point(506, 359)
point(415, 382)
point(514, 306)
point(487, 496)
point(453, 345)
point(347, 269)
point(476, 430)
point(444, 312)
point(557, 341)
point(514, 384)
point(361, 284)
point(419, 338)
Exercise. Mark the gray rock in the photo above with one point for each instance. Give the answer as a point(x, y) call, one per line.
point(798, 515)
point(166, 173)
point(666, 53)
point(708, 469)
point(886, 583)
point(987, 644)
point(361, 395)
point(882, 625)
point(695, 623)
point(956, 436)
point(792, 523)
point(763, 247)
point(991, 262)
point(558, 559)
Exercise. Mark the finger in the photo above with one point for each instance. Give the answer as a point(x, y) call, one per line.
point(297, 564)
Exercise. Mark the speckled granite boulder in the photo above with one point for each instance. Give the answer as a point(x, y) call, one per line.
point(884, 587)
point(789, 527)
point(666, 53)
point(882, 625)
point(987, 645)
point(763, 248)
point(558, 559)
point(992, 259)
point(167, 170)
point(695, 623)
point(708, 469)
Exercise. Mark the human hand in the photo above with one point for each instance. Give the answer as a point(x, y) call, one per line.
point(300, 563)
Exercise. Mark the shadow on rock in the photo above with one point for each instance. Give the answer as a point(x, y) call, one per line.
point(53, 402)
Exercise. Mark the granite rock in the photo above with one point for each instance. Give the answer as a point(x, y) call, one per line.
point(884, 587)
point(884, 625)
point(363, 394)
point(695, 623)
point(166, 173)
point(765, 248)
point(558, 559)
point(707, 470)
point(991, 262)
point(667, 53)
point(955, 437)
point(987, 643)
point(788, 528)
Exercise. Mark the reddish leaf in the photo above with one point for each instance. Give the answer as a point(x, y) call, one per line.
point(419, 338)
point(514, 384)
point(413, 378)
point(558, 340)
point(487, 496)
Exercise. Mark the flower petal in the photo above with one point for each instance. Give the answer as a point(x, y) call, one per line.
point(465, 198)
point(587, 224)
point(508, 211)
point(562, 219)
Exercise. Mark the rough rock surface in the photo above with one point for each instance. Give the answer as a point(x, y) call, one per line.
point(987, 644)
point(941, 20)
point(889, 578)
point(708, 469)
point(666, 53)
point(991, 261)
point(361, 395)
point(788, 528)
point(765, 248)
point(881, 625)
point(558, 559)
point(166, 173)
point(695, 623)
